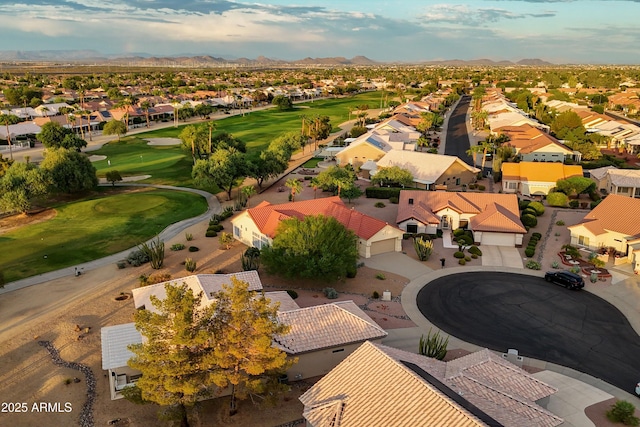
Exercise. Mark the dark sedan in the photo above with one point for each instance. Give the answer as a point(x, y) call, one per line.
point(565, 278)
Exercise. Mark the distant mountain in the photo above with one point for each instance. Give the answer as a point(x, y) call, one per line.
point(203, 60)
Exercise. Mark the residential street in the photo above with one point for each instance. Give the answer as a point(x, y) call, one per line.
point(457, 138)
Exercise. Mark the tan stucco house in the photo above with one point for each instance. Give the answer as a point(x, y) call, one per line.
point(257, 226)
point(535, 178)
point(613, 223)
point(493, 218)
point(430, 170)
point(623, 182)
point(383, 386)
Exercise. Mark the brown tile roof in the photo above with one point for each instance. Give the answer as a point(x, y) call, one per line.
point(325, 326)
point(539, 171)
point(492, 212)
point(267, 216)
point(614, 213)
point(371, 388)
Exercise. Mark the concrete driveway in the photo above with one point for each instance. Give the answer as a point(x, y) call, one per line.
point(501, 256)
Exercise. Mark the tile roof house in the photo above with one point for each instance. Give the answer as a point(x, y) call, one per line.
point(115, 355)
point(613, 223)
point(533, 145)
point(208, 284)
point(429, 170)
point(257, 226)
point(535, 178)
point(382, 386)
point(493, 218)
point(322, 336)
point(624, 182)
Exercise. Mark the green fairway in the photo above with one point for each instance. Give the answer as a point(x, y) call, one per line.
point(93, 228)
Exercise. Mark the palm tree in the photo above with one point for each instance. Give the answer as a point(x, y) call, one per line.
point(248, 191)
point(9, 119)
point(211, 125)
point(125, 103)
point(483, 148)
point(145, 106)
point(295, 187)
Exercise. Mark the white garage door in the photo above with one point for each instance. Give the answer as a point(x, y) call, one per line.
point(383, 246)
point(498, 239)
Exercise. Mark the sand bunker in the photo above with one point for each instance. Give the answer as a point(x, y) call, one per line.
point(164, 141)
point(96, 158)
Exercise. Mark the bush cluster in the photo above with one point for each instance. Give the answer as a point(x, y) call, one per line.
point(137, 258)
point(474, 250)
point(529, 220)
point(533, 265)
point(559, 200)
point(531, 246)
point(330, 293)
point(193, 249)
point(459, 255)
point(382, 192)
point(177, 247)
point(379, 205)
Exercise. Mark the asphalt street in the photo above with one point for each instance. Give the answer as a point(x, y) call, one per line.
point(457, 138)
point(541, 320)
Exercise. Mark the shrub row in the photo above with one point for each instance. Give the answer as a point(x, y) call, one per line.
point(531, 246)
point(382, 192)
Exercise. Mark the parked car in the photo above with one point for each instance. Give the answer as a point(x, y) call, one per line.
point(565, 278)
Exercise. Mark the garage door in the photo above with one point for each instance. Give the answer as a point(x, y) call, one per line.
point(498, 239)
point(383, 246)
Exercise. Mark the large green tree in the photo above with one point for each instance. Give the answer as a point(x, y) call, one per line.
point(282, 102)
point(575, 185)
point(68, 171)
point(335, 179)
point(392, 175)
point(223, 168)
point(317, 247)
point(115, 127)
point(20, 185)
point(52, 134)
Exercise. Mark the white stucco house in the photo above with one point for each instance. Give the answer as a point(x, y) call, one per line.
point(257, 226)
point(493, 218)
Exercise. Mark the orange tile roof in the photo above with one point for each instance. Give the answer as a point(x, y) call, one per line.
point(614, 213)
point(539, 171)
point(492, 212)
point(267, 216)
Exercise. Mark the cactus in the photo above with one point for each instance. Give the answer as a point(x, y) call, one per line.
point(423, 247)
point(433, 345)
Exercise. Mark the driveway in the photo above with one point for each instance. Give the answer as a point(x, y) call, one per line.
point(498, 310)
point(501, 256)
point(457, 138)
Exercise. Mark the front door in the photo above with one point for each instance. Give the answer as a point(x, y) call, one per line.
point(445, 222)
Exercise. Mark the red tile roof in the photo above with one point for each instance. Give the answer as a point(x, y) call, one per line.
point(267, 216)
point(614, 213)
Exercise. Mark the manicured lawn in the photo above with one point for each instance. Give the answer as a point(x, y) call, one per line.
point(93, 228)
point(312, 163)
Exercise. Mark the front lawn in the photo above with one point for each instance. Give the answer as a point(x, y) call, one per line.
point(92, 228)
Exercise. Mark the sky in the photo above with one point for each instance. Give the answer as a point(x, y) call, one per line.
point(558, 31)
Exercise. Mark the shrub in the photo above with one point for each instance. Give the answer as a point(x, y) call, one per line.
point(405, 236)
point(154, 251)
point(594, 203)
point(375, 295)
point(467, 258)
point(225, 240)
point(555, 264)
point(382, 192)
point(352, 272)
point(293, 294)
point(193, 249)
point(217, 227)
point(533, 265)
point(423, 247)
point(381, 276)
point(472, 186)
point(177, 247)
point(536, 235)
point(188, 236)
point(529, 252)
point(189, 265)
point(474, 250)
point(210, 233)
point(213, 222)
point(308, 178)
point(379, 205)
point(458, 232)
point(481, 187)
point(137, 258)
point(575, 269)
point(474, 256)
point(465, 240)
point(623, 412)
point(560, 222)
point(330, 293)
point(393, 200)
point(538, 207)
point(458, 254)
point(462, 261)
point(528, 211)
point(574, 203)
point(522, 204)
point(557, 199)
point(529, 220)
point(433, 346)
point(121, 264)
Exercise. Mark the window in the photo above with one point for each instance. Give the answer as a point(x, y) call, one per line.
point(410, 201)
point(512, 185)
point(237, 232)
point(457, 181)
point(583, 240)
point(412, 228)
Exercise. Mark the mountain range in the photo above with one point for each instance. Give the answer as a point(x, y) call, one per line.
point(188, 60)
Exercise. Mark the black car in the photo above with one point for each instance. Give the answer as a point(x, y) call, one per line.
point(565, 278)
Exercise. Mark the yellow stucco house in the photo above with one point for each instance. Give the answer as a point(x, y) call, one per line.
point(535, 178)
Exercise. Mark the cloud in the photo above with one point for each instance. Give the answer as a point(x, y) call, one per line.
point(466, 15)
